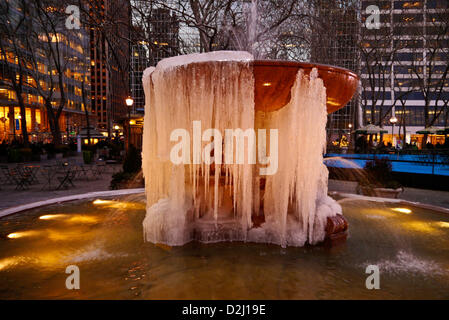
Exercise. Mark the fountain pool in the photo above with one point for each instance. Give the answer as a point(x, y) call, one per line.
point(103, 237)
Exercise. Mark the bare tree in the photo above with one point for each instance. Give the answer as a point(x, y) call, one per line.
point(14, 31)
point(403, 87)
point(49, 37)
point(430, 68)
point(209, 25)
point(378, 52)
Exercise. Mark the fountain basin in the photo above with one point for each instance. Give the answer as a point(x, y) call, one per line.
point(104, 239)
point(274, 81)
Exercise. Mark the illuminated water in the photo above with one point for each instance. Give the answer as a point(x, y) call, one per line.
point(105, 240)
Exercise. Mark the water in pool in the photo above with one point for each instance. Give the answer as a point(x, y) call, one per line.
point(103, 237)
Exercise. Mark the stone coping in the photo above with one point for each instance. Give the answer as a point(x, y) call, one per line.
point(81, 196)
point(123, 192)
point(351, 196)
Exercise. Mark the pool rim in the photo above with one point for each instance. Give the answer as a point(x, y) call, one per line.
point(420, 205)
point(81, 196)
point(124, 192)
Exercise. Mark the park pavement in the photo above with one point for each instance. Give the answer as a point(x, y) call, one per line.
point(9, 197)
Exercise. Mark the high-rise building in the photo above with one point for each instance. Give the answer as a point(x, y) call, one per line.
point(34, 65)
point(110, 53)
point(139, 62)
point(406, 75)
point(163, 35)
point(335, 30)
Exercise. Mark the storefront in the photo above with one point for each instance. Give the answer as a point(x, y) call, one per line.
point(38, 127)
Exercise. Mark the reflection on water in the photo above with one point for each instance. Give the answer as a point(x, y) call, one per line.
point(104, 239)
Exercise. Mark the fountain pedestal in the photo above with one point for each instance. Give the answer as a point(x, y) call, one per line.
point(336, 230)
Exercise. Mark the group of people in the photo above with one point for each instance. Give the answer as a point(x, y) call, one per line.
point(364, 145)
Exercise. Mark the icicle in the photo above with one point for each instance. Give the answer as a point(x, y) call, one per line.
point(217, 90)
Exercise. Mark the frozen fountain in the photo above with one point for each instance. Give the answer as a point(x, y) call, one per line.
point(233, 150)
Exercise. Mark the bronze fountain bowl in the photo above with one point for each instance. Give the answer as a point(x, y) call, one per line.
point(274, 80)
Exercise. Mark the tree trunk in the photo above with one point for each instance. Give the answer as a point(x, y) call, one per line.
point(446, 118)
point(404, 123)
point(54, 124)
point(86, 112)
point(23, 121)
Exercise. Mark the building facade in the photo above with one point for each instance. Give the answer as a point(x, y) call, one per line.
point(405, 68)
point(110, 57)
point(337, 23)
point(38, 74)
point(157, 39)
point(160, 41)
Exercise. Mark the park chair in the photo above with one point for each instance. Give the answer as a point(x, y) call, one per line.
point(67, 179)
point(83, 171)
point(21, 178)
point(32, 172)
point(48, 172)
point(6, 175)
point(97, 170)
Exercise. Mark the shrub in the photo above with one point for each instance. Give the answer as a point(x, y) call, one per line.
point(64, 149)
point(20, 155)
point(49, 148)
point(379, 174)
point(14, 155)
point(133, 161)
point(119, 178)
point(37, 149)
point(27, 154)
point(130, 177)
point(88, 156)
point(123, 180)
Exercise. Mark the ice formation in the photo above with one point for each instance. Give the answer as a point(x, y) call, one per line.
point(220, 202)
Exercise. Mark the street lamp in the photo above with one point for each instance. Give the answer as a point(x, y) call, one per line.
point(129, 102)
point(393, 121)
point(116, 128)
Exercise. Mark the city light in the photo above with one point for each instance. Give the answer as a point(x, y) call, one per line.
point(17, 235)
point(402, 210)
point(129, 101)
point(393, 120)
point(52, 216)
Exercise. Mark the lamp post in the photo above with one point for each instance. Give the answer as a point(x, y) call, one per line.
point(129, 102)
point(393, 121)
point(3, 119)
point(116, 128)
point(350, 135)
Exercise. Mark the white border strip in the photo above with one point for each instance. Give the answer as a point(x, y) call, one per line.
point(80, 196)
